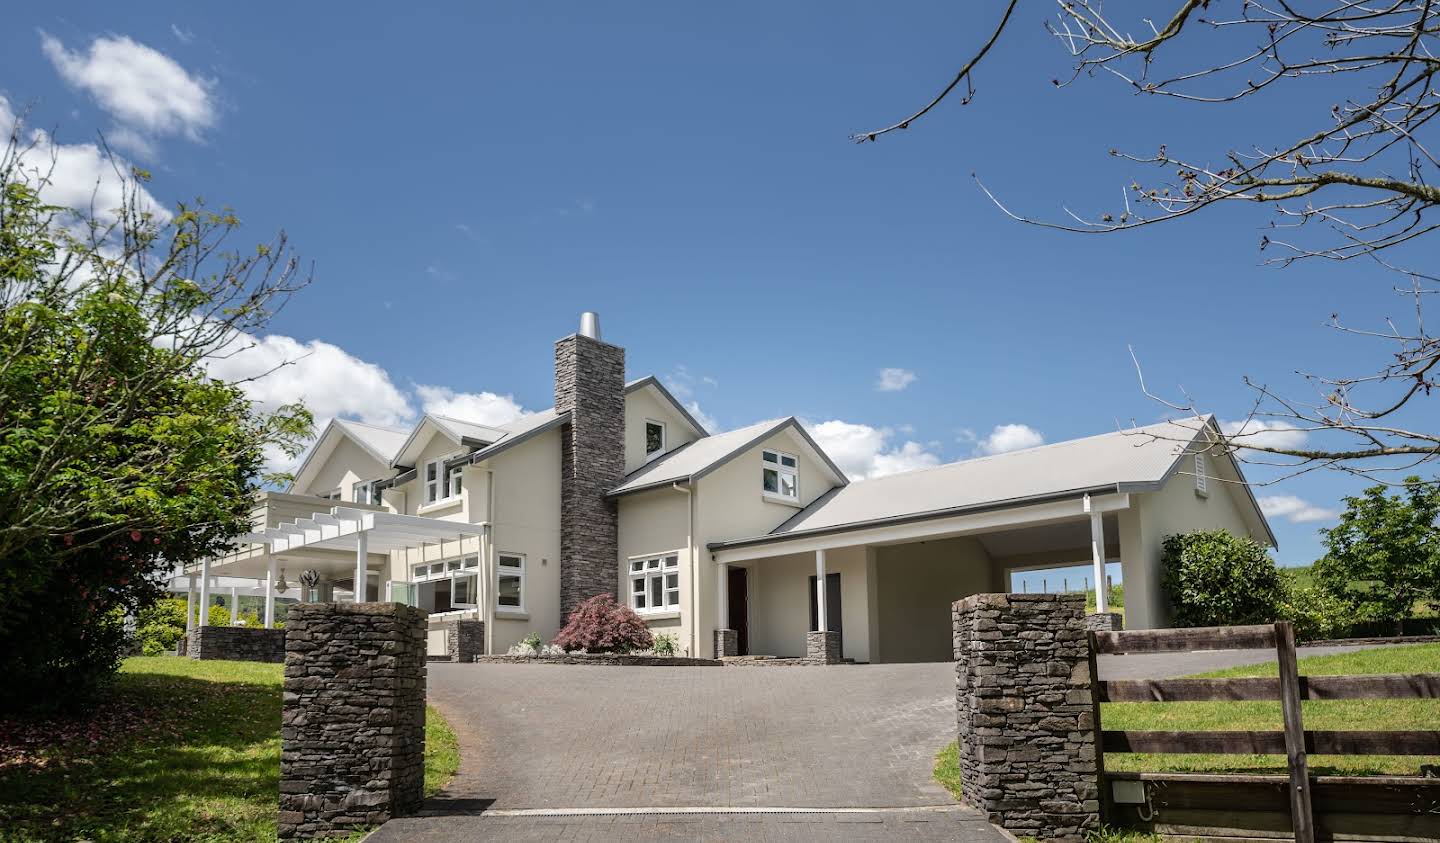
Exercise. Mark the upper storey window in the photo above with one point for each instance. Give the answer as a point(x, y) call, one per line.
point(780, 475)
point(654, 439)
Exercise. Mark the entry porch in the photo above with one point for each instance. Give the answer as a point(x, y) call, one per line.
point(888, 589)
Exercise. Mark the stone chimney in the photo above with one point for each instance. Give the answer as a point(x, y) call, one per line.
point(590, 384)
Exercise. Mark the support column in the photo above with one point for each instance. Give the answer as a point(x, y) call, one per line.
point(821, 646)
point(361, 580)
point(1097, 556)
point(190, 606)
point(270, 592)
point(204, 593)
point(727, 641)
point(234, 606)
point(820, 619)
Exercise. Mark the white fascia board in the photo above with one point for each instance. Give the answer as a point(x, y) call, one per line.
point(956, 525)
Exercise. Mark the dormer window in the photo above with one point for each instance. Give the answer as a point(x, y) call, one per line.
point(366, 491)
point(654, 439)
point(441, 484)
point(780, 475)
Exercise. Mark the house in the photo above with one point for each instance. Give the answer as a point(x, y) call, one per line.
point(749, 541)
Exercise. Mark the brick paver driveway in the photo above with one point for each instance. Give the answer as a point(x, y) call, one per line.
point(571, 752)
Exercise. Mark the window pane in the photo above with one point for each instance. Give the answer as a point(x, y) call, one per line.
point(452, 565)
point(420, 571)
point(787, 485)
point(656, 598)
point(509, 592)
point(430, 468)
point(652, 563)
point(637, 585)
point(654, 437)
point(772, 480)
point(672, 597)
point(672, 580)
point(437, 568)
point(770, 456)
point(788, 462)
point(463, 589)
point(512, 561)
point(640, 595)
point(637, 565)
point(670, 561)
point(471, 561)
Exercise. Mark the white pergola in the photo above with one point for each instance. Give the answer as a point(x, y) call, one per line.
point(343, 528)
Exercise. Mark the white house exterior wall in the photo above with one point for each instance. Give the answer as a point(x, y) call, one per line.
point(527, 521)
point(346, 465)
point(780, 602)
point(916, 585)
point(645, 404)
point(654, 523)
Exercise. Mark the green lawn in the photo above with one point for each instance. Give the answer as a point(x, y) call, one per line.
point(1261, 716)
point(182, 751)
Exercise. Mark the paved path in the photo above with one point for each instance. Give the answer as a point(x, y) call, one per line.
point(551, 752)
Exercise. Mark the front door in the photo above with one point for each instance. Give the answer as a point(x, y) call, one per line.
point(739, 620)
point(832, 607)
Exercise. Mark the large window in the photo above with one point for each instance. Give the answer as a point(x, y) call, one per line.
point(655, 583)
point(780, 475)
point(366, 491)
point(440, 484)
point(510, 571)
point(447, 585)
point(654, 439)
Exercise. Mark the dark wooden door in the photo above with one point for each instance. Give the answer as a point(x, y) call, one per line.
point(738, 597)
point(832, 606)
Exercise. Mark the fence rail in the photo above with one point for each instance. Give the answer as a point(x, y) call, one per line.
point(1399, 804)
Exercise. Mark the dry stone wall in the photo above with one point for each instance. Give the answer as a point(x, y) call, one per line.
point(236, 643)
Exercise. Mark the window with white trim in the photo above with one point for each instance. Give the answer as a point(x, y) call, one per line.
point(654, 438)
point(780, 474)
point(448, 584)
point(510, 588)
point(1200, 483)
point(655, 583)
point(366, 491)
point(441, 484)
point(332, 495)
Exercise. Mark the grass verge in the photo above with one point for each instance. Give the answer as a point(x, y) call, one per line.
point(181, 750)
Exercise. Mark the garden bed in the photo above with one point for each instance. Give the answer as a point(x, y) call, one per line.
point(606, 659)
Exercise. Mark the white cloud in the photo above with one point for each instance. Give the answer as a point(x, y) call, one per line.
point(1005, 438)
point(1264, 434)
point(864, 452)
point(184, 36)
point(706, 420)
point(480, 407)
point(78, 176)
point(139, 86)
point(894, 380)
point(1295, 510)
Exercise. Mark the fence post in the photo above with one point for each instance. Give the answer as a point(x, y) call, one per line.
point(1302, 821)
point(1095, 725)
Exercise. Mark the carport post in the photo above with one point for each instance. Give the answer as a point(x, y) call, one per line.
point(270, 592)
point(190, 606)
point(360, 554)
point(722, 599)
point(204, 592)
point(820, 591)
point(1097, 555)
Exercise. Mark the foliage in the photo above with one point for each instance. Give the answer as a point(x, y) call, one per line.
point(159, 626)
point(947, 769)
point(1117, 598)
point(119, 456)
point(600, 625)
point(1384, 555)
point(532, 641)
point(665, 645)
point(218, 615)
point(1214, 578)
point(180, 750)
point(1314, 612)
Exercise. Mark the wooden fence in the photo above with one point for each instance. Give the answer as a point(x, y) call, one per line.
point(1388, 808)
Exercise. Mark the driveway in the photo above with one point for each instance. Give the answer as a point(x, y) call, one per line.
point(786, 753)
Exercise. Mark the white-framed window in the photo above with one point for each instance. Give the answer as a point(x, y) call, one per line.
point(332, 495)
point(510, 588)
point(366, 491)
point(441, 484)
point(1200, 482)
point(447, 584)
point(780, 474)
point(655, 583)
point(654, 438)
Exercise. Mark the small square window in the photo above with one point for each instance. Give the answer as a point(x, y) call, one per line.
point(654, 438)
point(780, 475)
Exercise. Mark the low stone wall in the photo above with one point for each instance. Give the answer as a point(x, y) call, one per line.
point(1025, 713)
point(352, 733)
point(727, 643)
point(464, 640)
point(822, 647)
point(1105, 622)
point(608, 659)
point(237, 643)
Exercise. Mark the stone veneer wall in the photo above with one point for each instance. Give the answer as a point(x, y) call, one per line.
point(822, 647)
point(1105, 622)
point(727, 643)
point(1025, 713)
point(237, 643)
point(590, 384)
point(464, 640)
point(352, 733)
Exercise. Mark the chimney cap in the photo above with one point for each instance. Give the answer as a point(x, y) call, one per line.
point(590, 324)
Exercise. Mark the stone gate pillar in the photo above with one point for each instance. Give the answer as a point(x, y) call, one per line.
point(352, 736)
point(1025, 713)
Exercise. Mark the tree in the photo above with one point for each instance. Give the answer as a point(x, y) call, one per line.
point(1384, 555)
point(119, 456)
point(1358, 182)
point(600, 625)
point(1214, 578)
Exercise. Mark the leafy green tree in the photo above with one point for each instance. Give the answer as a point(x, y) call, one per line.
point(1214, 578)
point(159, 626)
point(119, 456)
point(1384, 556)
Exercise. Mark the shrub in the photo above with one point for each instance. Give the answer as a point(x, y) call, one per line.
point(1214, 578)
point(532, 641)
point(217, 616)
point(665, 645)
point(1314, 612)
point(160, 625)
point(600, 625)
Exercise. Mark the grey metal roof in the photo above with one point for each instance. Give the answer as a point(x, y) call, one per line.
point(383, 443)
point(695, 459)
point(518, 431)
point(651, 380)
point(1135, 460)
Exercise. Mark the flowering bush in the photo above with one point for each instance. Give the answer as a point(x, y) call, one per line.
point(600, 625)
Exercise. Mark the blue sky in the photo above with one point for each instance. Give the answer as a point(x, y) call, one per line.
point(467, 180)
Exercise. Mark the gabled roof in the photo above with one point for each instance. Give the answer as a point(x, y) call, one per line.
point(520, 430)
point(652, 381)
point(382, 443)
point(464, 433)
point(696, 459)
point(1136, 460)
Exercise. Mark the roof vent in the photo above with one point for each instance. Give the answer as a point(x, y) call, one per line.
point(590, 325)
